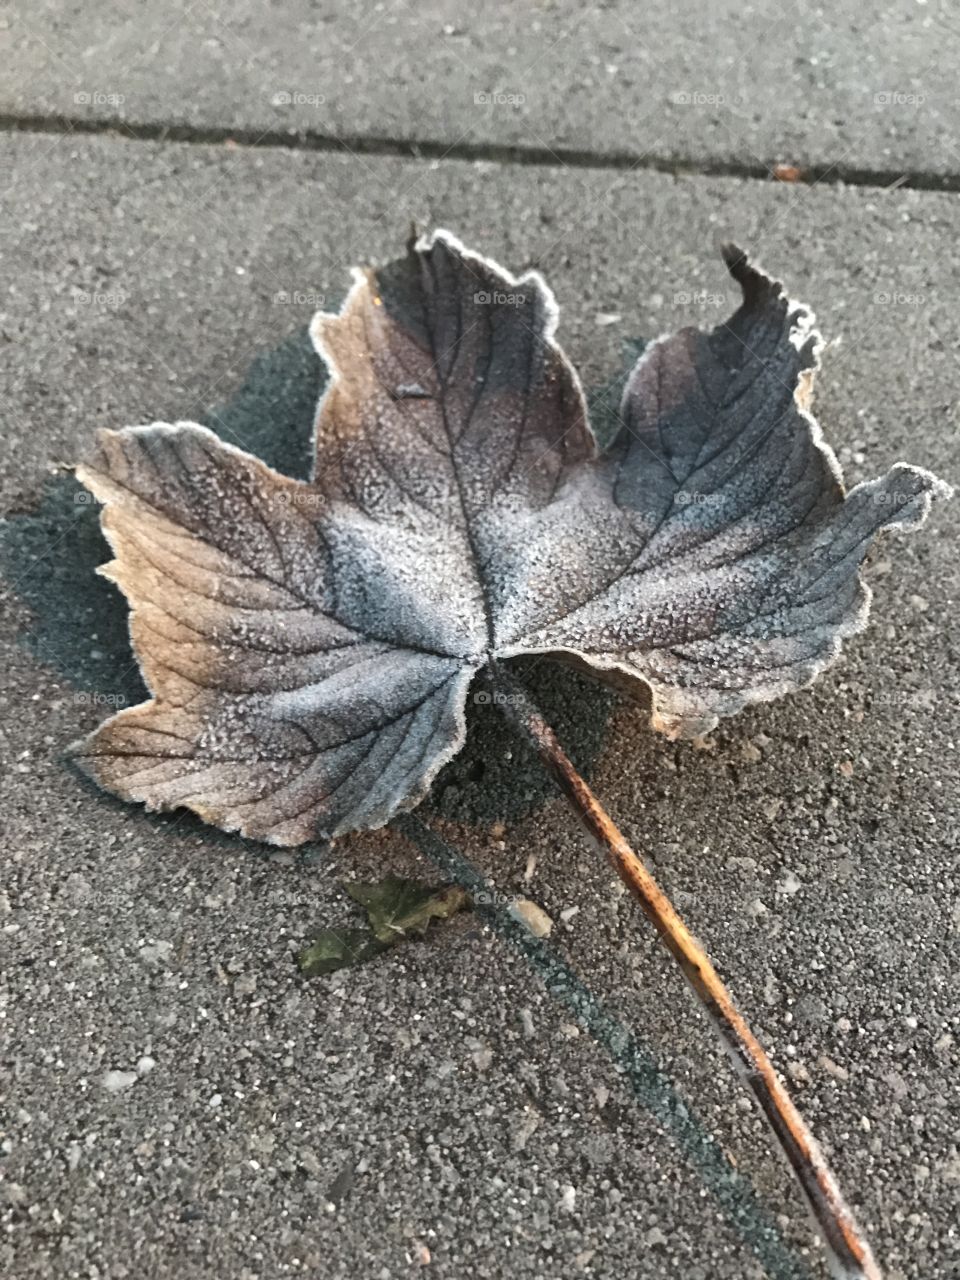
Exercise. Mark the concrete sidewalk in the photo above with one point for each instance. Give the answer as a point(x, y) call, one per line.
point(179, 1102)
point(839, 87)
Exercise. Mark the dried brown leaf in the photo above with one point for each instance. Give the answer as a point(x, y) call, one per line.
point(309, 646)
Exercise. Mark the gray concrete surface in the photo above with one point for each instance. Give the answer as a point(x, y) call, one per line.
point(841, 87)
point(442, 1102)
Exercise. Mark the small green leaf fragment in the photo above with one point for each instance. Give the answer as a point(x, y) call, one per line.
point(398, 908)
point(332, 949)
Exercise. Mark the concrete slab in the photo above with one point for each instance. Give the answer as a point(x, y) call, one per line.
point(445, 1100)
point(834, 87)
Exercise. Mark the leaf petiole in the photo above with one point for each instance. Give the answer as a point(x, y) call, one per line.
point(849, 1254)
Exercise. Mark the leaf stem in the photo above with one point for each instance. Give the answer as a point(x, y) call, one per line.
point(849, 1254)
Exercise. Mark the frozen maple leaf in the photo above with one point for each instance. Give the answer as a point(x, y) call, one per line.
point(309, 646)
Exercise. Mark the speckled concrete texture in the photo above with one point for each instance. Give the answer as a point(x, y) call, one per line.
point(841, 87)
point(178, 1102)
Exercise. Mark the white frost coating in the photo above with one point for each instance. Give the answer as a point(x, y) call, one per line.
point(362, 729)
point(681, 705)
point(310, 646)
point(360, 277)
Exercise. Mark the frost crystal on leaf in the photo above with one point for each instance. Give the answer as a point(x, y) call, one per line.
point(309, 646)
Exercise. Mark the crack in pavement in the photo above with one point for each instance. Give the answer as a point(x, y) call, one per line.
point(832, 174)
